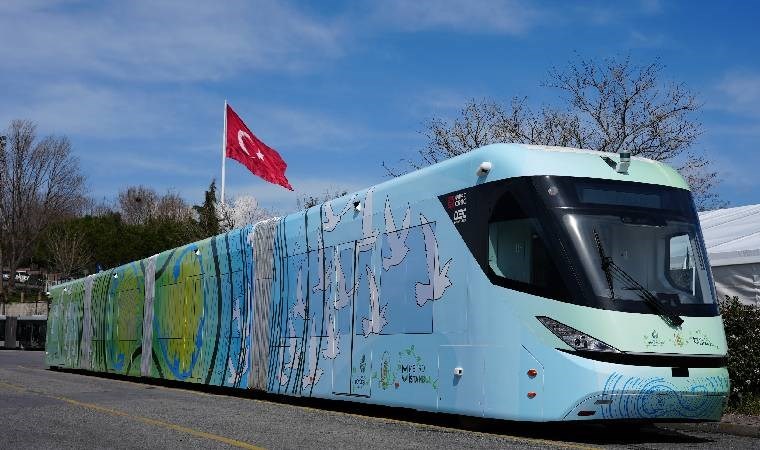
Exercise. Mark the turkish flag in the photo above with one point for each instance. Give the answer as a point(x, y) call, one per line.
point(261, 159)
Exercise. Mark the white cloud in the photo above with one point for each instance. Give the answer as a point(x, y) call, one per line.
point(740, 92)
point(290, 127)
point(641, 39)
point(651, 6)
point(474, 16)
point(75, 108)
point(607, 13)
point(125, 112)
point(99, 110)
point(154, 164)
point(441, 101)
point(297, 130)
point(162, 41)
point(736, 129)
point(739, 173)
point(444, 102)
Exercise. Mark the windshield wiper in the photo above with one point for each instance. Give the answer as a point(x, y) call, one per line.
point(606, 262)
point(612, 270)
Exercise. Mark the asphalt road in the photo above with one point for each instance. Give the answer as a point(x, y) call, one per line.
point(40, 408)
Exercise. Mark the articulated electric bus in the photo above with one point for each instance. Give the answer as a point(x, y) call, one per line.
point(515, 281)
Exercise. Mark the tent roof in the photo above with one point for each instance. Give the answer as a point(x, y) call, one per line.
point(732, 235)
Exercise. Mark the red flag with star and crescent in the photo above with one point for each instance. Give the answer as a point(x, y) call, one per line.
point(262, 160)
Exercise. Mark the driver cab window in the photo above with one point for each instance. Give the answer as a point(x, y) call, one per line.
point(516, 250)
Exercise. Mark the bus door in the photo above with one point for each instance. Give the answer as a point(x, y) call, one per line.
point(342, 312)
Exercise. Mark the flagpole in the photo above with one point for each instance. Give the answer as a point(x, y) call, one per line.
point(224, 147)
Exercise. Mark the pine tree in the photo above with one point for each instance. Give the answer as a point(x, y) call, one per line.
point(208, 221)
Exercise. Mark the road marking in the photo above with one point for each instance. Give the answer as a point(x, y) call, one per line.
point(13, 386)
point(161, 423)
point(417, 425)
point(146, 420)
point(141, 384)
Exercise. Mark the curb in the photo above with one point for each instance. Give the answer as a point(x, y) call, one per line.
point(736, 429)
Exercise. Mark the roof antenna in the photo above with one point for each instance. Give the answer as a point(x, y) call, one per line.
point(622, 166)
point(625, 162)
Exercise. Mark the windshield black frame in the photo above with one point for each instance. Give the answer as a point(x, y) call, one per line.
point(548, 199)
point(641, 203)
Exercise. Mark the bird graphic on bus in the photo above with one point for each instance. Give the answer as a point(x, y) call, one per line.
point(331, 220)
point(314, 374)
point(343, 295)
point(376, 321)
point(299, 308)
point(333, 340)
point(396, 237)
point(439, 280)
point(322, 284)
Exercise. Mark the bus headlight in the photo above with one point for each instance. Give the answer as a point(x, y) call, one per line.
point(574, 338)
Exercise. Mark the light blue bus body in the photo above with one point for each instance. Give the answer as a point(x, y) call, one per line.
point(430, 291)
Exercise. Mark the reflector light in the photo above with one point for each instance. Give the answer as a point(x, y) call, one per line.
point(532, 373)
point(531, 394)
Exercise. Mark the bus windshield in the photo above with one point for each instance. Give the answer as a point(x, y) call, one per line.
point(665, 259)
point(648, 234)
point(617, 245)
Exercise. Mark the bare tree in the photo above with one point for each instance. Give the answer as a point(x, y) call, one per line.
point(173, 207)
point(702, 180)
point(307, 201)
point(68, 251)
point(137, 204)
point(611, 105)
point(244, 210)
point(96, 208)
point(40, 184)
point(623, 107)
point(140, 204)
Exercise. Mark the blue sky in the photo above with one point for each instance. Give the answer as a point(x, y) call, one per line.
point(339, 87)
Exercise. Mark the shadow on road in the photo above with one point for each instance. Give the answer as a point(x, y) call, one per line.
point(587, 432)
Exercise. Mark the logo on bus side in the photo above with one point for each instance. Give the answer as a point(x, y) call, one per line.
point(458, 204)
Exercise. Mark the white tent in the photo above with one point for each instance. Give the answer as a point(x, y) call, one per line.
point(732, 237)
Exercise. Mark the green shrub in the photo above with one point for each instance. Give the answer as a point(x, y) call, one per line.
point(742, 324)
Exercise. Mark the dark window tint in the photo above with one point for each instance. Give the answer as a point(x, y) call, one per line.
point(517, 252)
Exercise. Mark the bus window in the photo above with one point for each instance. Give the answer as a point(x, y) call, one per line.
point(516, 250)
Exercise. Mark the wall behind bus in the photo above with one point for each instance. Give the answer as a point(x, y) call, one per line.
point(27, 309)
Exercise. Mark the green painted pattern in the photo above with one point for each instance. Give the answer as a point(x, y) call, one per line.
point(178, 309)
point(64, 330)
